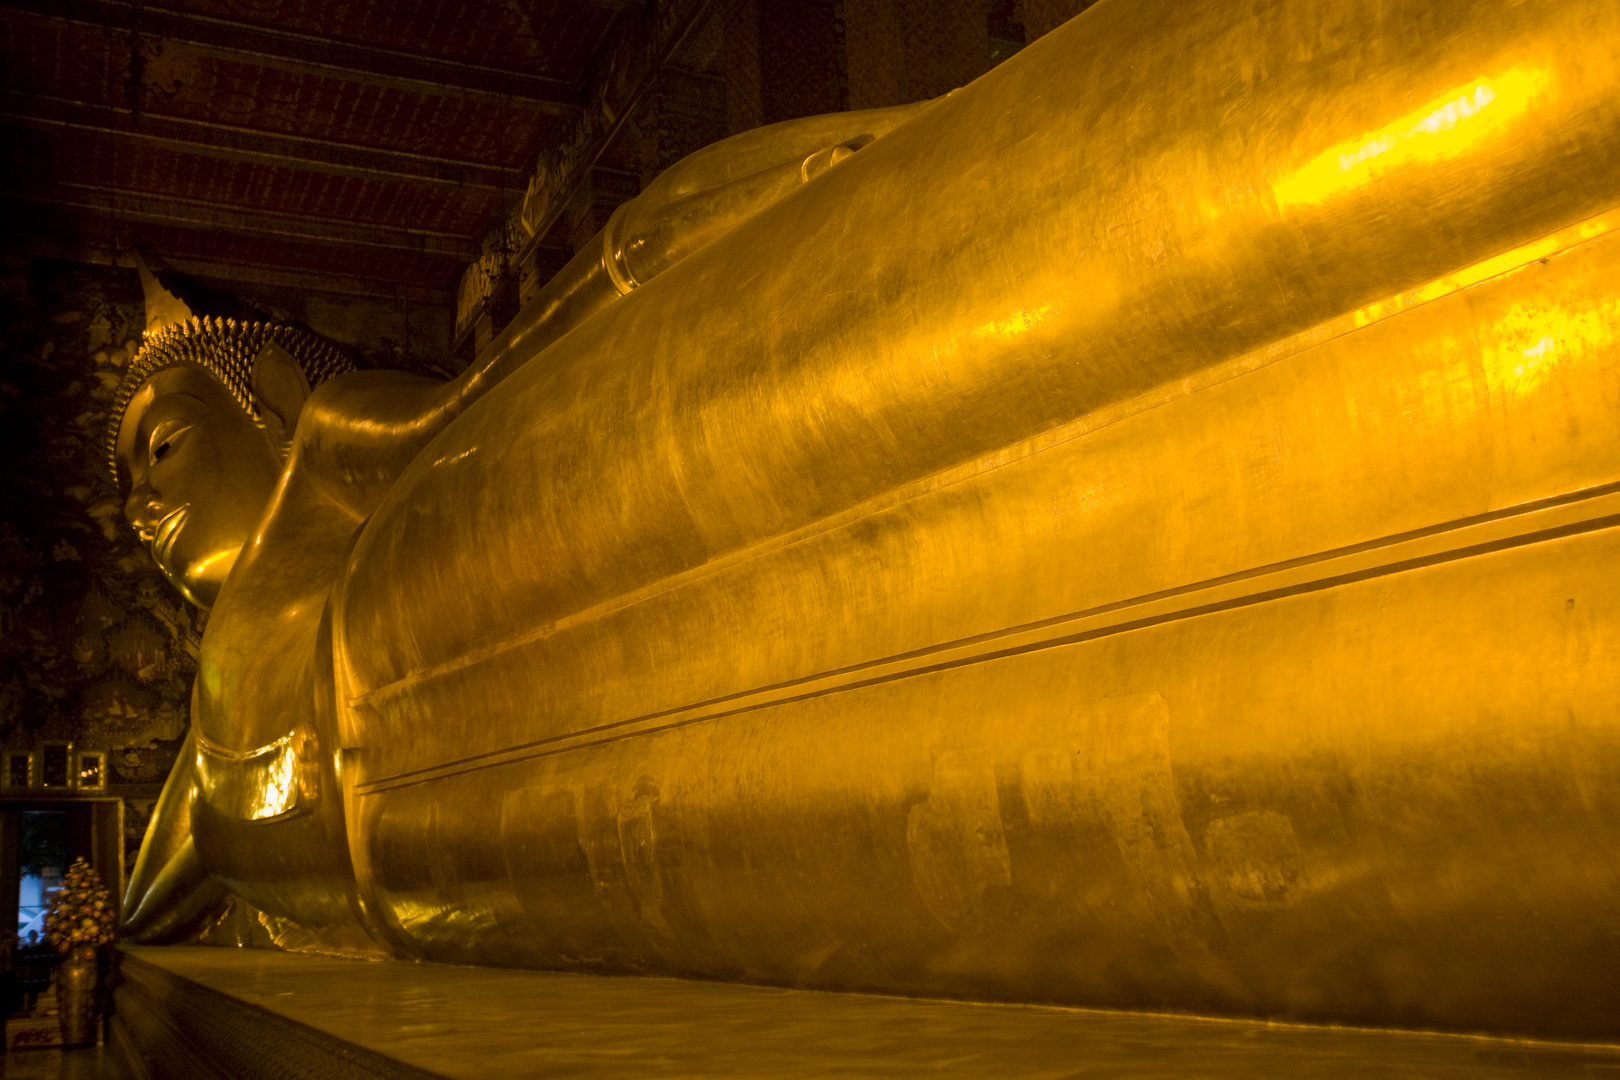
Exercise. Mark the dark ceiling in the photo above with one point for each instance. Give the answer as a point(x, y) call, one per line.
point(354, 146)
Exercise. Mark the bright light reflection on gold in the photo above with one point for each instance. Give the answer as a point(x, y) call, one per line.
point(275, 789)
point(255, 784)
point(218, 565)
point(1531, 342)
point(1020, 322)
point(1441, 128)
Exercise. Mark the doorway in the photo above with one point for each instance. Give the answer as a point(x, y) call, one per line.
point(39, 839)
point(42, 859)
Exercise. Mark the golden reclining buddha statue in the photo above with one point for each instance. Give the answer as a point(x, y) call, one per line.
point(1139, 530)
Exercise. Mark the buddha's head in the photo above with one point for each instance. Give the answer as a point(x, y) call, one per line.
point(200, 430)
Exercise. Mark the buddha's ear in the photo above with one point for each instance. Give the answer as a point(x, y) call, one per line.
point(279, 391)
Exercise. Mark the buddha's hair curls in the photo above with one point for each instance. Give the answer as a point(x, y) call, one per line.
point(226, 349)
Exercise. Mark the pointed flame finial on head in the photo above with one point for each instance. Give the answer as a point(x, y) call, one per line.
point(163, 308)
point(226, 348)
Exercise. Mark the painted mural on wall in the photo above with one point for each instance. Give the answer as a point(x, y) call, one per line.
point(95, 648)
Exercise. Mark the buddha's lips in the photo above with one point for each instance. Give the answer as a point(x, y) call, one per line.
point(167, 530)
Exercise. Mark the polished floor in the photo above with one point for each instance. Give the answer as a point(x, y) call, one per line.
point(478, 1023)
point(90, 1063)
point(34, 1029)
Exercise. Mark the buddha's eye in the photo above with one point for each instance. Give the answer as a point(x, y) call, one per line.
point(166, 439)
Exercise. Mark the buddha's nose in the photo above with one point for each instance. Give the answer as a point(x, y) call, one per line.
point(144, 510)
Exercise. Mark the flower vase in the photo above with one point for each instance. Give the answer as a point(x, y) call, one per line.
point(76, 997)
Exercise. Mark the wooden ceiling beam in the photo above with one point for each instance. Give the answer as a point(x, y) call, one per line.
point(247, 273)
point(287, 50)
point(148, 209)
point(233, 143)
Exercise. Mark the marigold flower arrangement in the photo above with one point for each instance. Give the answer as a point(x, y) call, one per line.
point(81, 911)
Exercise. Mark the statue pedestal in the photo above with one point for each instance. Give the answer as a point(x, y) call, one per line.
point(245, 1014)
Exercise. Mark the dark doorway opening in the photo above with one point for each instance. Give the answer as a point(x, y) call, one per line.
point(39, 839)
point(42, 859)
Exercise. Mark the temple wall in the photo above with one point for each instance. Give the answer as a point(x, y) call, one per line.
point(95, 649)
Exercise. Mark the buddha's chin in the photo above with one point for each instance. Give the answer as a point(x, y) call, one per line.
point(200, 581)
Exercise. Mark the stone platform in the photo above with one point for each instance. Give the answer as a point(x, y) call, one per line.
point(245, 1014)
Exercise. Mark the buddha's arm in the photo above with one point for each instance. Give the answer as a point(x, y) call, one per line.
point(170, 891)
point(360, 431)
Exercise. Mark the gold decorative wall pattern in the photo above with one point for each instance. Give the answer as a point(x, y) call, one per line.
point(95, 649)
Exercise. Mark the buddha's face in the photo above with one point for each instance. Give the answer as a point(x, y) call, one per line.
point(200, 472)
